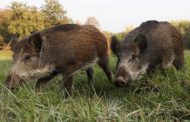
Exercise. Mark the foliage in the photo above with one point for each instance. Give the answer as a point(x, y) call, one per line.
point(21, 20)
point(121, 35)
point(163, 97)
point(92, 21)
point(54, 13)
point(108, 36)
point(4, 22)
point(129, 28)
point(25, 20)
point(184, 27)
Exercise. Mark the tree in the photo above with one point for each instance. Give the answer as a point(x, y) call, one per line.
point(108, 35)
point(121, 35)
point(54, 13)
point(184, 27)
point(129, 28)
point(4, 22)
point(78, 22)
point(92, 21)
point(25, 20)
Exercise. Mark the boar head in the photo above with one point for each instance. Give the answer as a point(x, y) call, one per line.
point(130, 54)
point(27, 62)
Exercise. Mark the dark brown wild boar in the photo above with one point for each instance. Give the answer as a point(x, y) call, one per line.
point(62, 49)
point(153, 43)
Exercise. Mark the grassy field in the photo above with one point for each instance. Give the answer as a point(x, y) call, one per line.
point(163, 97)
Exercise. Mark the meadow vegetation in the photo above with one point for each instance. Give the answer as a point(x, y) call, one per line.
point(163, 97)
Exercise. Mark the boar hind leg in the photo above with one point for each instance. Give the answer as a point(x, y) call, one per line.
point(103, 63)
point(67, 83)
point(89, 73)
point(43, 81)
point(167, 58)
point(179, 61)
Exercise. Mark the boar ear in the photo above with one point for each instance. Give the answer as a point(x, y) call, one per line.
point(13, 42)
point(141, 42)
point(114, 44)
point(36, 40)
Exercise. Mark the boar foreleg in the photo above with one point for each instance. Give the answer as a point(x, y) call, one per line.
point(43, 81)
point(104, 64)
point(89, 73)
point(179, 61)
point(67, 86)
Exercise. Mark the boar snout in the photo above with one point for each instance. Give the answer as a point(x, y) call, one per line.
point(121, 82)
point(122, 77)
point(12, 81)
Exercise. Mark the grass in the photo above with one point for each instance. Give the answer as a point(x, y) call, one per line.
point(163, 97)
point(5, 55)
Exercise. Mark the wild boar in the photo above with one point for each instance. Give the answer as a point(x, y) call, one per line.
point(63, 49)
point(150, 45)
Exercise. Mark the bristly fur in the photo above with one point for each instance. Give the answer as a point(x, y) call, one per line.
point(68, 48)
point(151, 44)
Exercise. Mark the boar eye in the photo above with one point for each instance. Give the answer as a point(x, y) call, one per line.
point(134, 57)
point(27, 57)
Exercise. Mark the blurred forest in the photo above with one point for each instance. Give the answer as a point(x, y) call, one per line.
point(20, 20)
